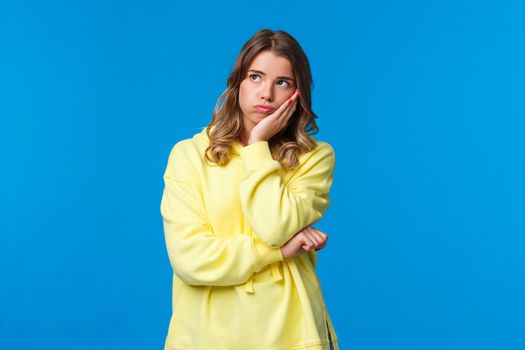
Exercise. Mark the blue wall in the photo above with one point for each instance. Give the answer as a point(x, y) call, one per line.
point(422, 101)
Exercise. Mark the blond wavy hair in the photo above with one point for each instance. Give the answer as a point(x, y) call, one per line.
point(226, 125)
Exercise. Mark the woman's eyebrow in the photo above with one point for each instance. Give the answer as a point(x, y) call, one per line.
point(262, 73)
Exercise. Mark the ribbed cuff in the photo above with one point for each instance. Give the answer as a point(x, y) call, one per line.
point(255, 154)
point(265, 254)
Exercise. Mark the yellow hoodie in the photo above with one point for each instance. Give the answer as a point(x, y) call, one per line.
point(223, 227)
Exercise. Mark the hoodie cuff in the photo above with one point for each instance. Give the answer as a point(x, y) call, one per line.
point(255, 154)
point(265, 254)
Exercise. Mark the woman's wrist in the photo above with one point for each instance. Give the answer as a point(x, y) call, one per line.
point(254, 140)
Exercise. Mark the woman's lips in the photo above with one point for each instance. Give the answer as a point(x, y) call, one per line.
point(264, 109)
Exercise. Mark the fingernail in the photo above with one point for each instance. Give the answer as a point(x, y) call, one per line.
point(290, 101)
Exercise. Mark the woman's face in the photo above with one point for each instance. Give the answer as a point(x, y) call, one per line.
point(269, 81)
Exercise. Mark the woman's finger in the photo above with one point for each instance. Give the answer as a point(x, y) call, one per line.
point(324, 235)
point(291, 103)
point(321, 236)
point(284, 107)
point(307, 242)
point(316, 237)
point(287, 114)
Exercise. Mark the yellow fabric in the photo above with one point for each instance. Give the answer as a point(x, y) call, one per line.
point(223, 227)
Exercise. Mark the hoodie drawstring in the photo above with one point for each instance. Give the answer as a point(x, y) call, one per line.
point(276, 275)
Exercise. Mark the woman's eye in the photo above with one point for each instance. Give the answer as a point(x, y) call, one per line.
point(251, 76)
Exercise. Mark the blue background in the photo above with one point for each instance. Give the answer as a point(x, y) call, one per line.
point(423, 103)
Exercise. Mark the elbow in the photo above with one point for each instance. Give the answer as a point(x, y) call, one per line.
point(271, 234)
point(184, 270)
point(187, 276)
point(281, 232)
point(205, 275)
point(274, 237)
point(184, 277)
point(181, 271)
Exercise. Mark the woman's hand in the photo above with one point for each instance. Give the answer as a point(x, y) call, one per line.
point(303, 241)
point(274, 122)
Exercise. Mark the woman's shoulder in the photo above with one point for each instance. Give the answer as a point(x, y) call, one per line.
point(192, 144)
point(186, 153)
point(193, 148)
point(323, 149)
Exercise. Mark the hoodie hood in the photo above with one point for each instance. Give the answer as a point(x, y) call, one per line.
point(202, 136)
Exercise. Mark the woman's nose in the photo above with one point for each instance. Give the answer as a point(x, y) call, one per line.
point(267, 92)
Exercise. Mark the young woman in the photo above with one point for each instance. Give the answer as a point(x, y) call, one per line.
point(239, 200)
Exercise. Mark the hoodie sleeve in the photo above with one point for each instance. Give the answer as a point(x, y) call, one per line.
point(276, 210)
point(197, 255)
